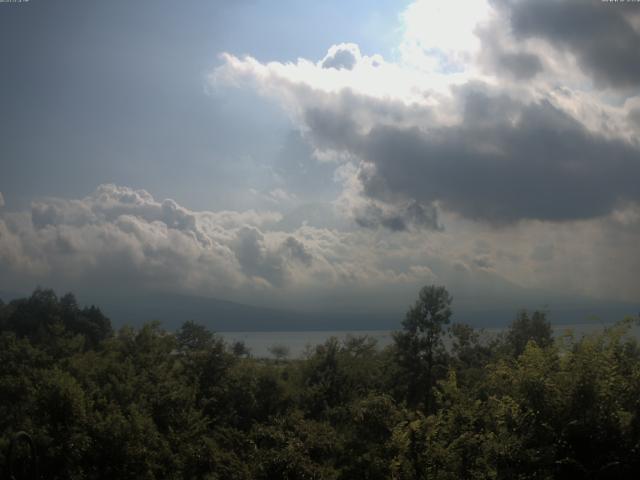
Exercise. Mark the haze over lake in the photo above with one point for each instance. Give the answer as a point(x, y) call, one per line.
point(299, 343)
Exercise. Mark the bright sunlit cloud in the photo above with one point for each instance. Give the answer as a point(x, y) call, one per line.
point(441, 36)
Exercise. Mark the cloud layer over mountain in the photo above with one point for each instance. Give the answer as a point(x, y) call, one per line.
point(122, 240)
point(494, 149)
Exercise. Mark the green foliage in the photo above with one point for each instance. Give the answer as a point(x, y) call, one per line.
point(240, 349)
point(280, 352)
point(43, 317)
point(149, 404)
point(194, 338)
point(293, 448)
point(419, 346)
point(525, 329)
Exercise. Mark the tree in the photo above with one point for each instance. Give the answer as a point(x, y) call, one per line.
point(280, 352)
point(240, 349)
point(524, 328)
point(469, 353)
point(420, 343)
point(193, 337)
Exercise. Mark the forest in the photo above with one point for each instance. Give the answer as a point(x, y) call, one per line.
point(444, 401)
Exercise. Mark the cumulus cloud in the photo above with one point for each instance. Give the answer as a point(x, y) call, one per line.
point(520, 65)
point(502, 56)
point(509, 123)
point(297, 251)
point(526, 162)
point(441, 36)
point(368, 212)
point(603, 36)
point(497, 157)
point(120, 238)
point(399, 218)
point(270, 263)
point(123, 232)
point(344, 55)
point(1, 200)
point(483, 159)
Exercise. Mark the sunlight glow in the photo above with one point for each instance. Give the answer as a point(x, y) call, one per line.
point(440, 36)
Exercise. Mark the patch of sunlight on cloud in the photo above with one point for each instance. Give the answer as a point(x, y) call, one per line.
point(440, 36)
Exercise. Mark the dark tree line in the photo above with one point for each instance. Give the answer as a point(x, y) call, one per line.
point(443, 402)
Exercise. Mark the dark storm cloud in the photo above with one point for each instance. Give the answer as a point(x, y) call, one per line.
point(399, 218)
point(331, 131)
point(506, 59)
point(336, 117)
point(505, 162)
point(600, 34)
point(520, 65)
point(546, 167)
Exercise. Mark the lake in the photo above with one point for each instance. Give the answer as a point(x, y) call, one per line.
point(297, 342)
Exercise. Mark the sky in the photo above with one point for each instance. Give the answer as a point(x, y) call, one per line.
point(323, 156)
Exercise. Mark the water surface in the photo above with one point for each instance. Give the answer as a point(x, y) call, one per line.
point(297, 342)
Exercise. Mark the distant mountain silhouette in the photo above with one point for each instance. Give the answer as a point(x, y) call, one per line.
point(222, 315)
point(172, 310)
point(6, 297)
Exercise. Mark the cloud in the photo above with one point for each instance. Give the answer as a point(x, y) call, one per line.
point(501, 55)
point(484, 141)
point(459, 162)
point(603, 36)
point(520, 65)
point(123, 240)
point(634, 117)
point(526, 162)
point(297, 251)
point(398, 219)
point(278, 195)
point(367, 212)
point(123, 233)
point(504, 129)
point(440, 36)
point(483, 262)
point(269, 262)
point(542, 253)
point(344, 55)
point(497, 158)
point(255, 259)
point(1, 200)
